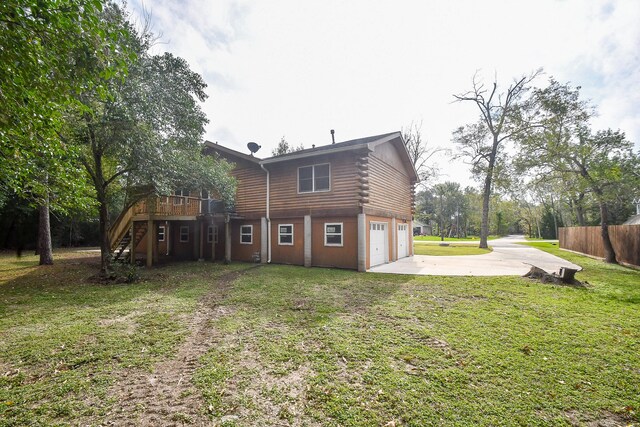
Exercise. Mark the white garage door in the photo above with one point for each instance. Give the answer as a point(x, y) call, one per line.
point(378, 246)
point(403, 240)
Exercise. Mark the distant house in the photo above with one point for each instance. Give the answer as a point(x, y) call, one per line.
point(634, 219)
point(346, 205)
point(422, 229)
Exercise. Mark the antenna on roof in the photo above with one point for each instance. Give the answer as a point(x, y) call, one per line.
point(253, 147)
point(333, 137)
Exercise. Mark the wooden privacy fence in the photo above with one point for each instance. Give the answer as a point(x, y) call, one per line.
point(588, 240)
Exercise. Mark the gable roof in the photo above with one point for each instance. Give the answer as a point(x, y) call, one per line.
point(369, 143)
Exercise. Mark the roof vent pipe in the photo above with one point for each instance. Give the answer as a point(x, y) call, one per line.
point(333, 137)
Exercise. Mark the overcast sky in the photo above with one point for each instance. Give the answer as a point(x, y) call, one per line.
point(300, 68)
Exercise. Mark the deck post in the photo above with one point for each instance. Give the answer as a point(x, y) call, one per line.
point(307, 241)
point(149, 242)
point(213, 241)
point(227, 239)
point(362, 242)
point(132, 244)
point(197, 240)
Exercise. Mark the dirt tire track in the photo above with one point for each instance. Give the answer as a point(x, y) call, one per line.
point(167, 396)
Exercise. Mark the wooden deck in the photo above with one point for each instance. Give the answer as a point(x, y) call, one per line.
point(169, 206)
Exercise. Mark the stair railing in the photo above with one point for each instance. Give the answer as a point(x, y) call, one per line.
point(120, 228)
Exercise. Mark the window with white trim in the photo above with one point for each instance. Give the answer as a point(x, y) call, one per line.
point(184, 233)
point(314, 178)
point(333, 233)
point(212, 234)
point(246, 234)
point(161, 233)
point(285, 234)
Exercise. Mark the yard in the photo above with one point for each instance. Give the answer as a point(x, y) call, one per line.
point(243, 345)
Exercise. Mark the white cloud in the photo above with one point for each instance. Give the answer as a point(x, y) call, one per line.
point(299, 69)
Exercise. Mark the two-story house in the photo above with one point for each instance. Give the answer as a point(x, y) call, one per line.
point(346, 205)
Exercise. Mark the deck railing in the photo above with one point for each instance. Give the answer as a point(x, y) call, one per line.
point(169, 206)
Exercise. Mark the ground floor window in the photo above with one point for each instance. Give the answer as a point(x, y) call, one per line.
point(246, 234)
point(161, 233)
point(184, 233)
point(285, 234)
point(333, 233)
point(212, 234)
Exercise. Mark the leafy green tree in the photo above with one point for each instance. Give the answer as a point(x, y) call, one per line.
point(449, 205)
point(145, 136)
point(43, 44)
point(598, 163)
point(502, 117)
point(284, 148)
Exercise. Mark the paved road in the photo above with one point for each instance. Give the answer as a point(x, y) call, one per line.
point(507, 259)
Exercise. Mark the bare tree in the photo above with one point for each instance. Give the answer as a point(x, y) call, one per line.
point(502, 117)
point(420, 152)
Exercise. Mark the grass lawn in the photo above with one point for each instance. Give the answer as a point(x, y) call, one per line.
point(451, 249)
point(293, 346)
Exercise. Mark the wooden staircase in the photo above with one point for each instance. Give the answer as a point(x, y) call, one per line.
point(120, 234)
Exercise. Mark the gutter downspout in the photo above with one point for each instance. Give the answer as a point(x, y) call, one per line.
point(267, 215)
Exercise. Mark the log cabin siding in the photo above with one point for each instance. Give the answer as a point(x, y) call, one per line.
point(343, 186)
point(244, 252)
point(288, 254)
point(345, 256)
point(390, 188)
point(251, 193)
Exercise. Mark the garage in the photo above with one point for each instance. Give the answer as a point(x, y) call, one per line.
point(378, 243)
point(403, 240)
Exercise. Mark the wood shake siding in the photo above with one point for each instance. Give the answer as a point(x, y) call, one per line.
point(251, 194)
point(342, 196)
point(390, 188)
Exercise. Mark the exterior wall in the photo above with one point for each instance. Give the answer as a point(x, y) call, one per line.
point(244, 252)
point(345, 256)
point(180, 250)
point(177, 250)
point(217, 247)
point(341, 198)
point(288, 254)
point(251, 194)
point(390, 185)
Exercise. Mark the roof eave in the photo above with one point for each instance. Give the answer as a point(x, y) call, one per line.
point(226, 150)
point(272, 160)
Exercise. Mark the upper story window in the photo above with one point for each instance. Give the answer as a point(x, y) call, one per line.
point(314, 178)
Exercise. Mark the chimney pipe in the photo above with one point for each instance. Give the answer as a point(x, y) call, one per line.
point(333, 137)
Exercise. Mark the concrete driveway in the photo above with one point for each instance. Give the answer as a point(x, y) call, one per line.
point(507, 259)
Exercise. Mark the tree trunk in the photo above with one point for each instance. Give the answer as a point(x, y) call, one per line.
point(105, 245)
point(486, 194)
point(44, 234)
point(580, 211)
point(609, 252)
